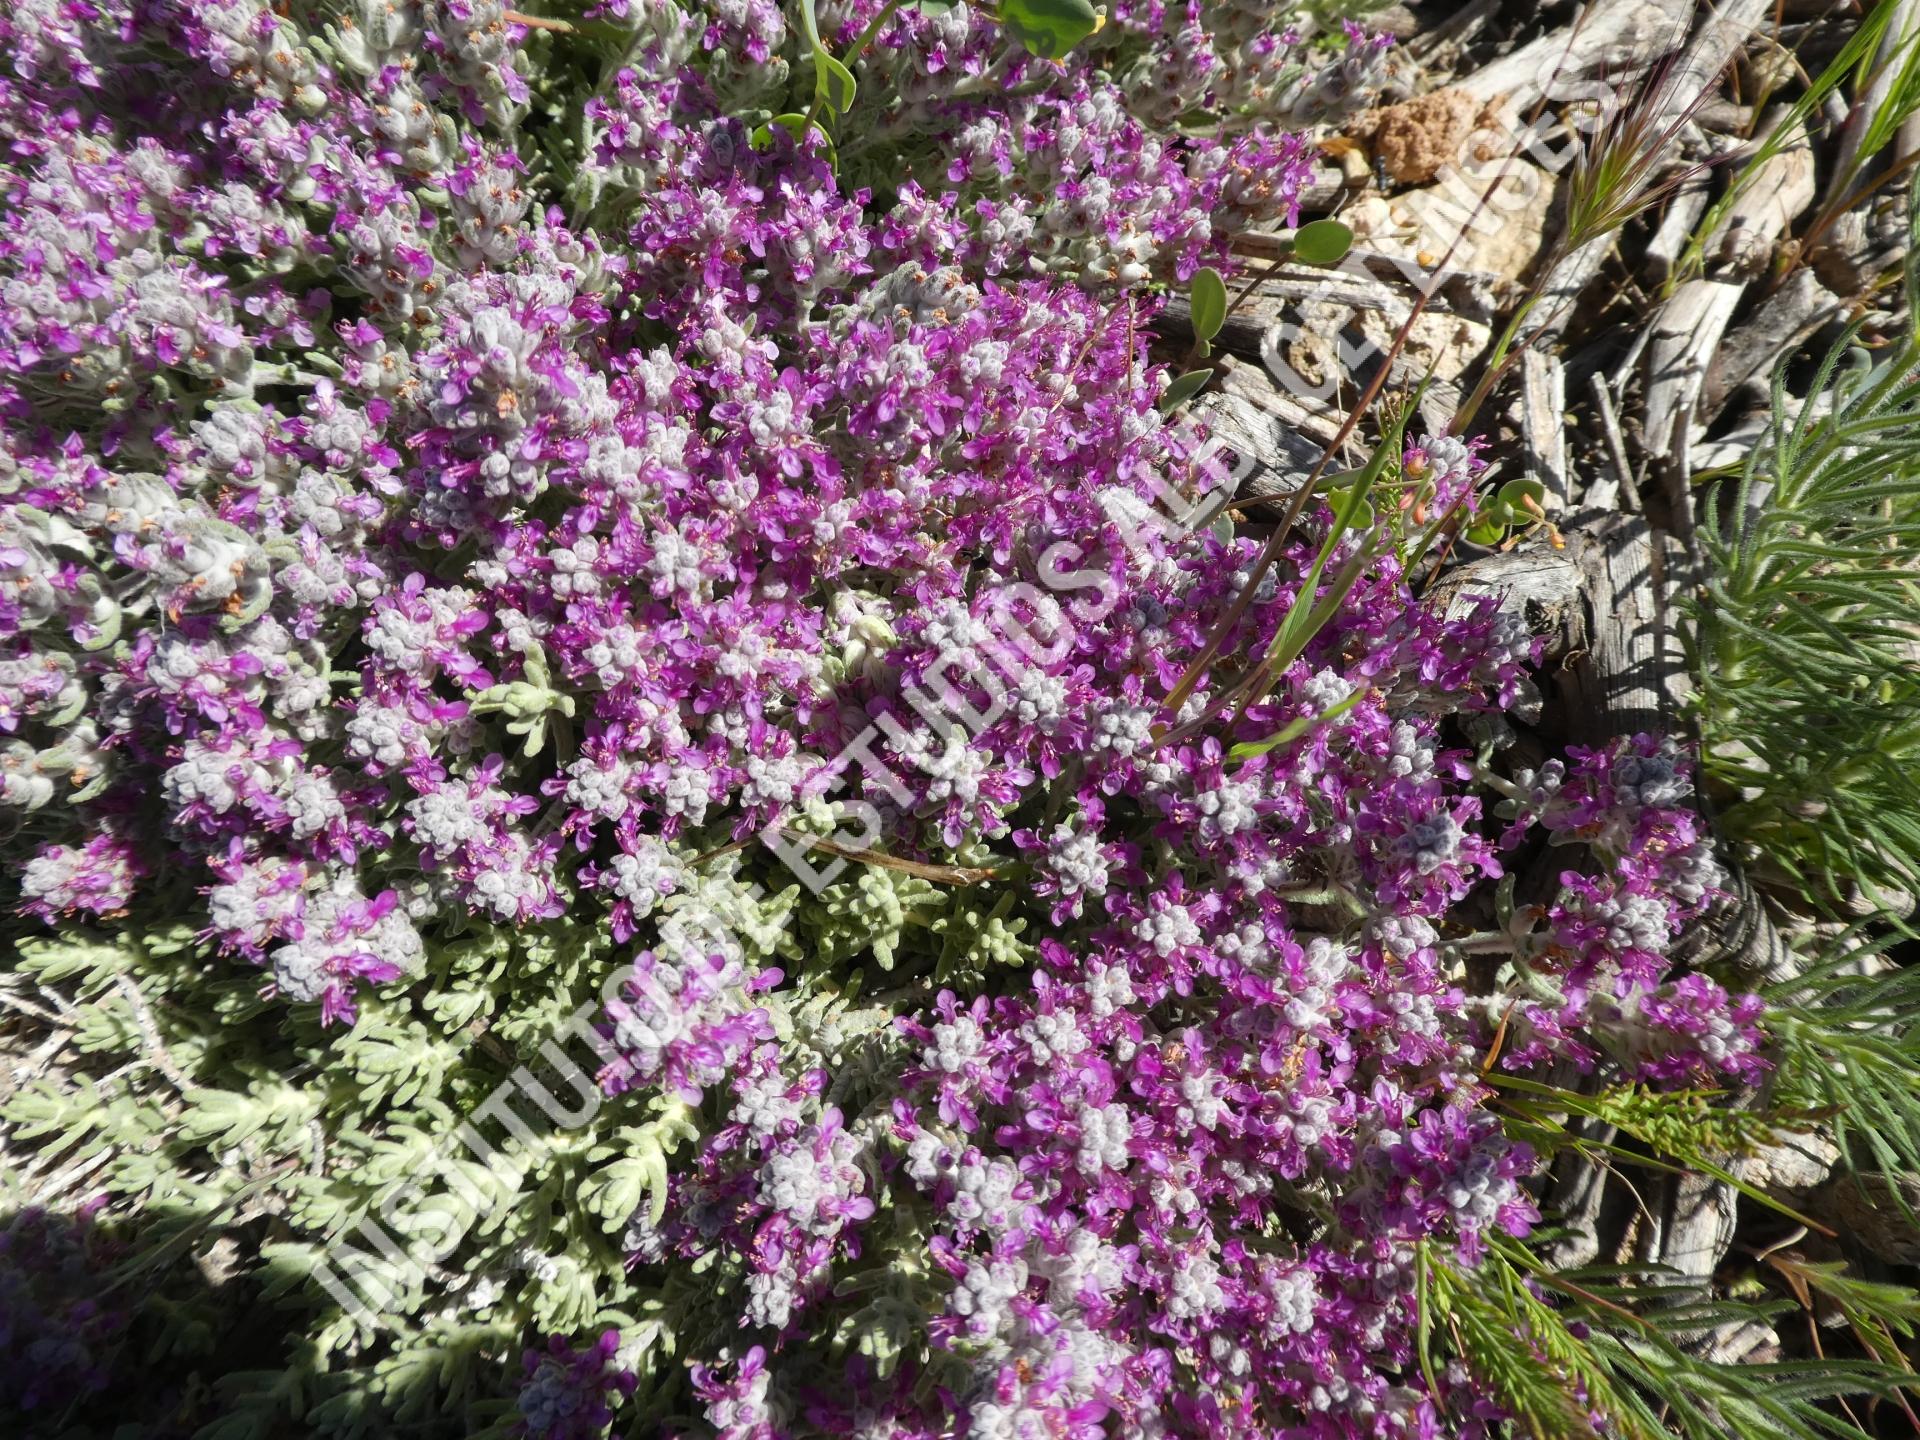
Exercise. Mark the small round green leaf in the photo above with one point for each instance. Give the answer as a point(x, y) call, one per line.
point(1486, 532)
point(761, 137)
point(1323, 242)
point(1362, 515)
point(1049, 28)
point(1516, 494)
point(1208, 303)
point(1183, 390)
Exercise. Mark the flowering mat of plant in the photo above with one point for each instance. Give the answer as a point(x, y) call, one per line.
point(672, 764)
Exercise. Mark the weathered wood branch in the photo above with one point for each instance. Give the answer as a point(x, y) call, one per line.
point(1688, 333)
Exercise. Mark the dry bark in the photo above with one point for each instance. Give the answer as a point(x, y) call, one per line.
point(1616, 39)
point(1687, 336)
point(1278, 439)
point(1543, 425)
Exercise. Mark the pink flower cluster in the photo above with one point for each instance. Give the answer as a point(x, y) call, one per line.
point(418, 516)
point(1595, 956)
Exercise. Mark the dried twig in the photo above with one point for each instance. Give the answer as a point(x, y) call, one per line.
point(150, 1033)
point(941, 874)
point(1543, 410)
point(26, 1007)
point(1616, 449)
point(1686, 336)
point(537, 22)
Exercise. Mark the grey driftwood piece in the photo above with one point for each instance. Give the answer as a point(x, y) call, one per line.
point(1273, 312)
point(1536, 582)
point(1670, 239)
point(1869, 1212)
point(1576, 1196)
point(1275, 439)
point(1543, 425)
point(1748, 354)
point(1687, 335)
point(1637, 35)
point(1630, 676)
point(1614, 38)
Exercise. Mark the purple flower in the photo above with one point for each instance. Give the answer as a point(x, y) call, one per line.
point(570, 1394)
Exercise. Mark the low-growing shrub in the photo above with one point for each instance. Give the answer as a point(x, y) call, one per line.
point(646, 543)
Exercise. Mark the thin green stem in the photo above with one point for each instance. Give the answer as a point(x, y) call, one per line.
point(873, 29)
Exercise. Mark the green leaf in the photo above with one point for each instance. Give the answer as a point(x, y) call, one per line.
point(795, 125)
point(833, 83)
point(1050, 28)
point(1489, 532)
point(1516, 495)
point(1208, 303)
point(1363, 516)
point(1323, 242)
point(1183, 390)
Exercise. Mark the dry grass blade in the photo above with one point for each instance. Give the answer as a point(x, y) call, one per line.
point(920, 869)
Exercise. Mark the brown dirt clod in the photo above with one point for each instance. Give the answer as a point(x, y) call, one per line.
point(1417, 138)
